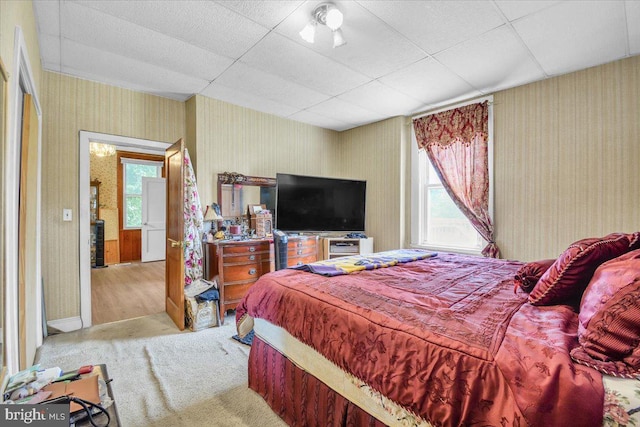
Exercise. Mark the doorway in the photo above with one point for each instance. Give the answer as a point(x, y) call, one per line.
point(121, 143)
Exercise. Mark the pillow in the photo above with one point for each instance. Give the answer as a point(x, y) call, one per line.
point(530, 273)
point(609, 319)
point(570, 273)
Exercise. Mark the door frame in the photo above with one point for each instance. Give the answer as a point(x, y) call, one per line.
point(22, 75)
point(125, 143)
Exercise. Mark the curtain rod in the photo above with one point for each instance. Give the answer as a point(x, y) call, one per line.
point(452, 106)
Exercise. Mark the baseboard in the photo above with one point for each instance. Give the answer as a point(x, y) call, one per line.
point(66, 325)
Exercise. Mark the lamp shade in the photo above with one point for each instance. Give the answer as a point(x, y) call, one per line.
point(338, 38)
point(334, 18)
point(308, 33)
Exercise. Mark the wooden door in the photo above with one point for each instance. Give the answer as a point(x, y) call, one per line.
point(174, 167)
point(27, 240)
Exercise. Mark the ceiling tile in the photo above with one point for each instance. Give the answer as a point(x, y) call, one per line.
point(50, 52)
point(382, 99)
point(105, 32)
point(338, 109)
point(575, 35)
point(109, 68)
point(373, 48)
point(247, 99)
point(430, 82)
point(244, 78)
point(437, 25)
point(494, 61)
point(289, 60)
point(202, 23)
point(47, 14)
point(321, 121)
point(266, 13)
point(633, 26)
point(517, 9)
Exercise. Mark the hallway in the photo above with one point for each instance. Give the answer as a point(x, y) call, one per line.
point(125, 291)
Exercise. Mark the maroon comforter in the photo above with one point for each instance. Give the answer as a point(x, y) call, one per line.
point(445, 337)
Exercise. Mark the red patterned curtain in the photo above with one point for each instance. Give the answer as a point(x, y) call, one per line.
point(456, 142)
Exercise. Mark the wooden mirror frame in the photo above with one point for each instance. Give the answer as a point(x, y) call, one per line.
point(4, 108)
point(236, 178)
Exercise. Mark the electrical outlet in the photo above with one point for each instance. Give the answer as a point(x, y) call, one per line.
point(67, 215)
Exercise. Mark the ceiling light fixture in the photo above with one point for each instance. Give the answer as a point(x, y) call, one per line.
point(102, 150)
point(325, 14)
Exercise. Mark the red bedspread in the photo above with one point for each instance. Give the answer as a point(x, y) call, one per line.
point(445, 337)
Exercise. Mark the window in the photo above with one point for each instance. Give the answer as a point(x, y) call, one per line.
point(443, 224)
point(436, 222)
point(133, 172)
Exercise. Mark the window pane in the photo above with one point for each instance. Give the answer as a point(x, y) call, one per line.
point(133, 211)
point(433, 176)
point(134, 174)
point(446, 225)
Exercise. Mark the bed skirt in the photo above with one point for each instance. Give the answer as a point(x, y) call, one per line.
point(298, 397)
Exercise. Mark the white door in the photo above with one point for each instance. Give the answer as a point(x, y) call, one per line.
point(154, 224)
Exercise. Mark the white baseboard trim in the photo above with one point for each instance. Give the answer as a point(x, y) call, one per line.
point(66, 325)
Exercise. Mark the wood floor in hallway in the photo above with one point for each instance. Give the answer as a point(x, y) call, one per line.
point(125, 291)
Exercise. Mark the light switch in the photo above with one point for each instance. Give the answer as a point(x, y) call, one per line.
point(66, 215)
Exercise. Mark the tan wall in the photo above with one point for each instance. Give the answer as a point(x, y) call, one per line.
point(566, 159)
point(237, 139)
point(376, 153)
point(105, 170)
point(71, 105)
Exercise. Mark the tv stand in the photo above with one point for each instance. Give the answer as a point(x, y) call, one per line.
point(334, 247)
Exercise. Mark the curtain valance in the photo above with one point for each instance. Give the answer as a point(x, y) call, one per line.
point(462, 124)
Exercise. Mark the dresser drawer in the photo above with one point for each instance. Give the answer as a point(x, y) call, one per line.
point(247, 258)
point(299, 260)
point(246, 248)
point(234, 293)
point(243, 272)
point(301, 251)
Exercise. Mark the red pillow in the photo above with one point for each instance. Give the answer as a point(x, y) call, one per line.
point(566, 279)
point(530, 273)
point(609, 320)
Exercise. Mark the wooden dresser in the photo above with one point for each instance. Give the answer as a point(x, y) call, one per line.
point(302, 250)
point(236, 266)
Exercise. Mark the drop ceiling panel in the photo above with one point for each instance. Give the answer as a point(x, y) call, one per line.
point(247, 99)
point(494, 61)
point(437, 25)
point(289, 60)
point(109, 67)
point(47, 17)
point(382, 99)
point(105, 32)
point(338, 109)
point(373, 48)
point(430, 82)
point(633, 24)
point(242, 77)
point(320, 121)
point(267, 13)
point(202, 23)
point(517, 9)
point(575, 35)
point(51, 45)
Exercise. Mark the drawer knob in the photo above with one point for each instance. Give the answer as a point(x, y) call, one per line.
point(252, 249)
point(252, 271)
point(252, 257)
point(299, 262)
point(300, 252)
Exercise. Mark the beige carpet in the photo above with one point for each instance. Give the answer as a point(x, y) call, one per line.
point(164, 377)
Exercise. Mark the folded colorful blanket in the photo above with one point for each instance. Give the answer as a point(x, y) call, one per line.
point(355, 263)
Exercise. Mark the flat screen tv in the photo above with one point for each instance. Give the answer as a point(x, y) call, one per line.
point(315, 204)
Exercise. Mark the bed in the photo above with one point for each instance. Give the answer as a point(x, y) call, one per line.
point(422, 339)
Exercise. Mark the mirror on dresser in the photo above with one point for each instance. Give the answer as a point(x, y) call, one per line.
point(236, 192)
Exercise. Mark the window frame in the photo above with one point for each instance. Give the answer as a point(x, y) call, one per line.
point(419, 181)
point(131, 161)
